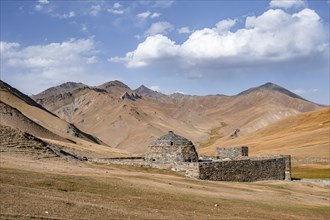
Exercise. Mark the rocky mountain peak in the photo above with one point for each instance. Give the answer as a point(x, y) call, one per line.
point(272, 88)
point(145, 91)
point(115, 83)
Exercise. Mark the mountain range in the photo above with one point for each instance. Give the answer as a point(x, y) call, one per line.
point(114, 120)
point(130, 119)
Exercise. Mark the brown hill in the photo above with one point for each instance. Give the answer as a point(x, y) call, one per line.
point(38, 114)
point(133, 124)
point(14, 140)
point(305, 135)
point(15, 119)
point(28, 127)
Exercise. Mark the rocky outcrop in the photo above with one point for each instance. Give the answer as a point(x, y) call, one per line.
point(14, 140)
point(131, 96)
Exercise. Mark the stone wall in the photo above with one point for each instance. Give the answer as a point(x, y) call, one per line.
point(232, 152)
point(171, 154)
point(245, 170)
point(189, 169)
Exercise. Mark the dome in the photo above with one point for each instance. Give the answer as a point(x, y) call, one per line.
point(171, 139)
point(170, 149)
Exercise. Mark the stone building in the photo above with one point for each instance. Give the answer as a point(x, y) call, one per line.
point(177, 153)
point(171, 148)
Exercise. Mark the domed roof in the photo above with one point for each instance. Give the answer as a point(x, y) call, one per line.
point(171, 139)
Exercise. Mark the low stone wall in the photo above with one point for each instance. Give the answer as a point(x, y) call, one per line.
point(245, 170)
point(242, 169)
point(232, 152)
point(120, 160)
point(190, 169)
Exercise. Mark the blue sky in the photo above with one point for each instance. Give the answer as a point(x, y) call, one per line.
point(193, 47)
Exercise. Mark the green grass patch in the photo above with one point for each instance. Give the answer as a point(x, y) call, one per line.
point(214, 136)
point(310, 173)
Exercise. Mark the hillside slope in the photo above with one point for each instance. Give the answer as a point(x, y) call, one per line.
point(41, 116)
point(15, 119)
point(306, 135)
point(131, 124)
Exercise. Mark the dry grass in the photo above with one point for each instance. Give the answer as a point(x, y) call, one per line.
point(310, 172)
point(47, 189)
point(214, 136)
point(305, 135)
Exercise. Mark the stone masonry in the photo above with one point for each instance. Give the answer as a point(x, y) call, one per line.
point(171, 148)
point(232, 152)
point(176, 153)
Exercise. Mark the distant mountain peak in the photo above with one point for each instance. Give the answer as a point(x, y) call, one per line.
point(271, 87)
point(113, 84)
point(145, 91)
point(62, 88)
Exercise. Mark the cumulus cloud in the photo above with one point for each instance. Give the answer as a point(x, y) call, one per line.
point(161, 27)
point(157, 47)
point(84, 28)
point(163, 3)
point(38, 7)
point(148, 14)
point(71, 14)
point(68, 15)
point(95, 10)
point(287, 4)
point(43, 1)
point(54, 62)
point(274, 36)
point(117, 9)
point(6, 48)
point(184, 30)
point(304, 91)
point(155, 88)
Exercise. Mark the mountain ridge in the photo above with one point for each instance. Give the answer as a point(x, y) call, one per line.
point(271, 87)
point(131, 124)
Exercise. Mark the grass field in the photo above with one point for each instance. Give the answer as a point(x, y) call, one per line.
point(57, 190)
point(310, 172)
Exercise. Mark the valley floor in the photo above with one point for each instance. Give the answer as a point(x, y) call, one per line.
point(52, 188)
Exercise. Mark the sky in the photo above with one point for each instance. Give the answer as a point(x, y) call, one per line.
point(191, 47)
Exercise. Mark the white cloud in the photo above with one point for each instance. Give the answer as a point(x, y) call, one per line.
point(92, 59)
point(43, 1)
point(275, 36)
point(116, 9)
point(161, 27)
point(157, 47)
point(148, 14)
point(225, 25)
point(38, 7)
point(155, 15)
point(287, 4)
point(163, 3)
point(54, 61)
point(95, 10)
point(304, 91)
point(155, 88)
point(144, 15)
point(117, 5)
point(6, 48)
point(71, 14)
point(84, 28)
point(184, 30)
